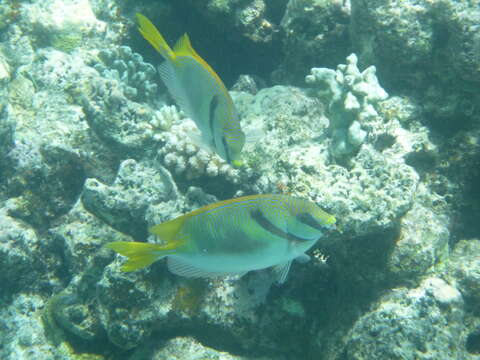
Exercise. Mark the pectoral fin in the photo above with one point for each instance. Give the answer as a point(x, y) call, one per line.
point(302, 259)
point(281, 271)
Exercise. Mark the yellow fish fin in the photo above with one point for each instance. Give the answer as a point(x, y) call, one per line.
point(153, 36)
point(141, 254)
point(183, 47)
point(167, 231)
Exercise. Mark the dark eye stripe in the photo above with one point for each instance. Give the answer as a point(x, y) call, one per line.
point(261, 220)
point(309, 220)
point(227, 150)
point(211, 115)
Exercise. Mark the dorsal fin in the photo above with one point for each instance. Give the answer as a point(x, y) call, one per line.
point(168, 230)
point(183, 47)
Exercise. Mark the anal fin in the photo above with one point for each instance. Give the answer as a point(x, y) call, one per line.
point(180, 267)
point(281, 270)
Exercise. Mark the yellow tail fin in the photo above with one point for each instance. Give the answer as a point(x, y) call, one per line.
point(153, 36)
point(140, 254)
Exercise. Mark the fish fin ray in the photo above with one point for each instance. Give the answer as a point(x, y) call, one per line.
point(139, 254)
point(183, 47)
point(181, 267)
point(199, 140)
point(153, 36)
point(167, 74)
point(281, 271)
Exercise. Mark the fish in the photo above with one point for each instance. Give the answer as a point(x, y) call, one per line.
point(233, 237)
point(199, 92)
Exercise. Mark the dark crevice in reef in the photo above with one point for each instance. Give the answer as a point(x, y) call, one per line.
point(228, 52)
point(473, 342)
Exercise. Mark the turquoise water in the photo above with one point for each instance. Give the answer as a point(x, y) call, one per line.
point(368, 109)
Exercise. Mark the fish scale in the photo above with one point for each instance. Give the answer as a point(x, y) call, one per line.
point(233, 237)
point(199, 92)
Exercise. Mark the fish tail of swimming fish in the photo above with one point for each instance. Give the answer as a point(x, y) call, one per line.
point(141, 254)
point(153, 36)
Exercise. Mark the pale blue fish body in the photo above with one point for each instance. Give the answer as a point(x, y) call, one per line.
point(239, 235)
point(234, 238)
point(200, 93)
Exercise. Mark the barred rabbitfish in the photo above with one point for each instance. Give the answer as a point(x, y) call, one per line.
point(199, 92)
point(233, 237)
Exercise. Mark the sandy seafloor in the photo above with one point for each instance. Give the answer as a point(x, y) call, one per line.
point(371, 109)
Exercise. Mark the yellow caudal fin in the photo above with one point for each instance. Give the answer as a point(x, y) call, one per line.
point(141, 254)
point(153, 36)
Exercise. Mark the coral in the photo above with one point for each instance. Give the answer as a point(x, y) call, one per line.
point(463, 45)
point(67, 41)
point(187, 348)
point(189, 296)
point(90, 153)
point(395, 35)
point(21, 92)
point(292, 307)
point(426, 48)
point(120, 100)
point(63, 25)
point(248, 18)
point(163, 120)
point(180, 153)
point(253, 23)
point(131, 305)
point(188, 160)
point(313, 31)
point(26, 332)
point(21, 329)
point(136, 78)
point(416, 314)
point(7, 13)
point(56, 185)
point(351, 96)
point(295, 121)
point(465, 271)
point(420, 245)
point(121, 124)
point(248, 84)
point(53, 332)
point(82, 236)
point(24, 257)
point(7, 125)
point(52, 144)
point(123, 204)
point(4, 70)
point(65, 312)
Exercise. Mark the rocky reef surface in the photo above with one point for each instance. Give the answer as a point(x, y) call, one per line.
point(368, 108)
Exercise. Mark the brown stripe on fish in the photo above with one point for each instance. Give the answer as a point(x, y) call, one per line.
point(227, 150)
point(262, 220)
point(211, 116)
point(308, 219)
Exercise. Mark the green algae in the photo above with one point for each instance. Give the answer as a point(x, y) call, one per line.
point(189, 296)
point(66, 41)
